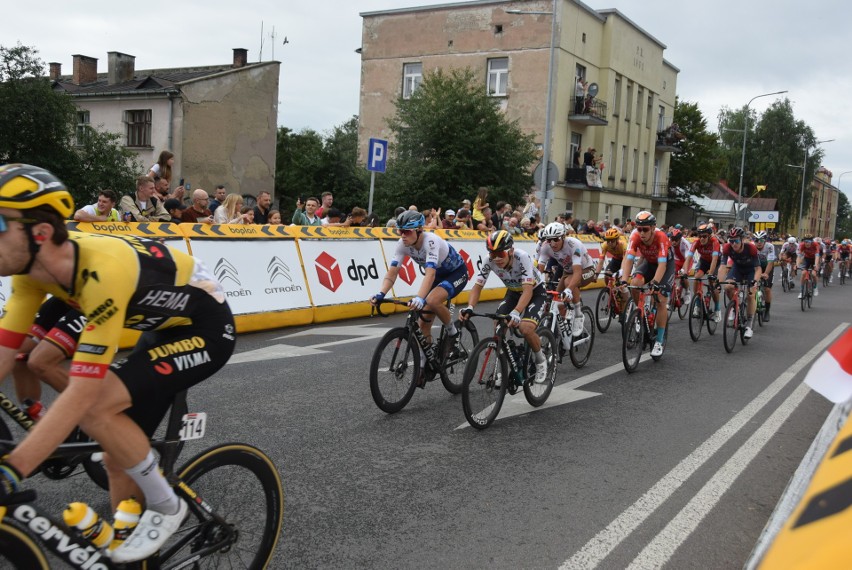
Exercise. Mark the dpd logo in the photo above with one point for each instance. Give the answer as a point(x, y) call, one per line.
point(328, 271)
point(278, 268)
point(225, 270)
point(467, 263)
point(362, 272)
point(407, 271)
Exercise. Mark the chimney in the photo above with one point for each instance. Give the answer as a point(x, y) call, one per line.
point(120, 67)
point(85, 69)
point(240, 57)
point(55, 70)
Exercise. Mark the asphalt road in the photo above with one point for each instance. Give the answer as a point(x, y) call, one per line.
point(678, 465)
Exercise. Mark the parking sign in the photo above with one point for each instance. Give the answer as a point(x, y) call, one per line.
point(378, 155)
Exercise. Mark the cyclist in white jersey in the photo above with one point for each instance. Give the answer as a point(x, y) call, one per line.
point(578, 265)
point(446, 272)
point(525, 298)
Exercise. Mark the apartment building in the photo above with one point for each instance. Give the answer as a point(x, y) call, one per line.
point(625, 114)
point(220, 121)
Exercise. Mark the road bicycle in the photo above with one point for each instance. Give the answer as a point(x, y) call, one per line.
point(736, 316)
point(607, 306)
point(233, 491)
point(578, 348)
point(678, 297)
point(498, 365)
point(787, 283)
point(808, 281)
point(826, 272)
point(398, 366)
point(641, 331)
point(760, 302)
point(844, 268)
point(701, 308)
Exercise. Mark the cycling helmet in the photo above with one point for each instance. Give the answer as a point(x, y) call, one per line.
point(791, 239)
point(675, 234)
point(24, 187)
point(501, 240)
point(612, 233)
point(818, 239)
point(410, 220)
point(736, 233)
point(646, 218)
point(539, 233)
point(553, 230)
point(760, 236)
point(705, 229)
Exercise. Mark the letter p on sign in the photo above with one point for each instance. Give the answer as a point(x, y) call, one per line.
point(378, 155)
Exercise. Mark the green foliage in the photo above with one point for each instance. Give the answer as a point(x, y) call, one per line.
point(37, 127)
point(450, 139)
point(700, 159)
point(843, 228)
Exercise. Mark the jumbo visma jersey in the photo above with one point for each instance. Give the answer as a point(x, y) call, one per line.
point(118, 282)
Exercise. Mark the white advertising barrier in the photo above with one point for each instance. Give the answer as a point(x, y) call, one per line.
point(341, 271)
point(260, 274)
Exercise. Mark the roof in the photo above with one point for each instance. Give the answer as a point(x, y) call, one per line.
point(712, 206)
point(148, 81)
point(754, 203)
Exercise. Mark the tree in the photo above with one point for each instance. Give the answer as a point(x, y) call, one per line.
point(450, 139)
point(700, 160)
point(102, 162)
point(843, 227)
point(342, 175)
point(298, 166)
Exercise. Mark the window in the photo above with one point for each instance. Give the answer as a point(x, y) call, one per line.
point(661, 119)
point(581, 72)
point(624, 163)
point(138, 127)
point(650, 111)
point(412, 76)
point(612, 158)
point(607, 210)
point(569, 208)
point(575, 150)
point(498, 77)
point(629, 106)
point(82, 127)
point(639, 94)
point(635, 163)
point(617, 102)
point(645, 168)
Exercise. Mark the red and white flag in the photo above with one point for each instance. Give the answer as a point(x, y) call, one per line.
point(831, 374)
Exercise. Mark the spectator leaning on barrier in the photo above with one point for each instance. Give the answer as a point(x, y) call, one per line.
point(218, 198)
point(463, 220)
point(261, 210)
point(333, 217)
point(143, 206)
point(101, 211)
point(198, 212)
point(356, 218)
point(305, 214)
point(449, 221)
point(175, 208)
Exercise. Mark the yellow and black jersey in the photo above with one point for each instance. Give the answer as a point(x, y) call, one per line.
point(616, 249)
point(118, 282)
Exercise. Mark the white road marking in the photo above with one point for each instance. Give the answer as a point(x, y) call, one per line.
point(273, 352)
point(280, 350)
point(607, 540)
point(365, 331)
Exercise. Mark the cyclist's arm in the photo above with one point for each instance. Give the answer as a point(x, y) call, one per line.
point(525, 298)
point(389, 279)
point(473, 298)
point(714, 263)
point(723, 272)
point(661, 271)
point(426, 284)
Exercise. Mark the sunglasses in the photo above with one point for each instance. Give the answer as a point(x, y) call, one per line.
point(736, 240)
point(497, 254)
point(643, 229)
point(808, 241)
point(4, 222)
point(553, 240)
point(406, 232)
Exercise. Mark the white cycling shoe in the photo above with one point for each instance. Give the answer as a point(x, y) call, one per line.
point(577, 327)
point(658, 349)
point(152, 532)
point(540, 372)
point(748, 333)
point(816, 292)
point(717, 316)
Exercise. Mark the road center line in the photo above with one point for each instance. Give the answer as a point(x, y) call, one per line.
point(607, 540)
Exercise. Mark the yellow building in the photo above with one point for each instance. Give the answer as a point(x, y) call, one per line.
point(821, 213)
point(628, 121)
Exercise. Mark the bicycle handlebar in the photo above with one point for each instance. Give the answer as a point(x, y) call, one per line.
point(18, 498)
point(377, 308)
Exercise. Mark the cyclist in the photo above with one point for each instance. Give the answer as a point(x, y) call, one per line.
point(445, 277)
point(766, 251)
point(681, 249)
point(808, 259)
point(657, 269)
point(526, 295)
point(116, 282)
point(788, 257)
point(615, 244)
point(577, 264)
point(742, 264)
point(843, 251)
point(830, 250)
point(708, 248)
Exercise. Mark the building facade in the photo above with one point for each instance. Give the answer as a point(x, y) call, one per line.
point(625, 114)
point(219, 121)
point(821, 214)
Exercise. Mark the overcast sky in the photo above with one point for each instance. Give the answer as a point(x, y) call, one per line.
point(728, 51)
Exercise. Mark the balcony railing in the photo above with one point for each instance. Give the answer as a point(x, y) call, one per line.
point(670, 139)
point(588, 111)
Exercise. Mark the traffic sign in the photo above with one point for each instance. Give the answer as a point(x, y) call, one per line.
point(377, 157)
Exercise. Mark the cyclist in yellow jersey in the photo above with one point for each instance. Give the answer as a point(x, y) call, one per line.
point(116, 282)
point(615, 244)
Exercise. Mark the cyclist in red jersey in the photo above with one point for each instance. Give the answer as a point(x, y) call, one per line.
point(707, 248)
point(680, 247)
point(808, 259)
point(656, 269)
point(742, 263)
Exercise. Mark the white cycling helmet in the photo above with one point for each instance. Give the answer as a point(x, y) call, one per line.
point(791, 239)
point(759, 236)
point(553, 230)
point(818, 239)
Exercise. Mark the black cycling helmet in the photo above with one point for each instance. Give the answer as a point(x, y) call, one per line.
point(410, 220)
point(646, 218)
point(501, 240)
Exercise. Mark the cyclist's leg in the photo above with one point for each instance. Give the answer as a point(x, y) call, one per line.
point(661, 297)
point(27, 384)
point(46, 362)
point(445, 287)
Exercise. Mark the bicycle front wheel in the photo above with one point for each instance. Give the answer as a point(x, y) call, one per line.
point(633, 341)
point(581, 346)
point(709, 316)
point(453, 375)
point(696, 318)
point(394, 370)
point(730, 332)
point(19, 551)
point(683, 307)
point(603, 310)
point(485, 379)
point(537, 394)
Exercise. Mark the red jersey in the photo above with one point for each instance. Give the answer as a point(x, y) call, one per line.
point(809, 250)
point(658, 251)
point(708, 250)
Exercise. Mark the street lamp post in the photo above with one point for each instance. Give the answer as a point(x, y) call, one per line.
point(804, 168)
point(545, 159)
point(742, 159)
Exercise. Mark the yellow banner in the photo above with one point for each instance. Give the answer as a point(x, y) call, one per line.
point(236, 231)
point(140, 229)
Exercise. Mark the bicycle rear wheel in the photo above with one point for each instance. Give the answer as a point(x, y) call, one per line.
point(581, 346)
point(486, 377)
point(729, 333)
point(243, 487)
point(696, 318)
point(603, 310)
point(537, 394)
point(394, 370)
point(633, 342)
point(805, 293)
point(826, 277)
point(683, 307)
point(19, 551)
point(709, 316)
point(452, 376)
